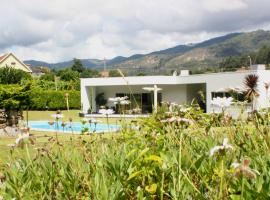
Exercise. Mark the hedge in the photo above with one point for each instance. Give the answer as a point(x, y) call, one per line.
point(54, 100)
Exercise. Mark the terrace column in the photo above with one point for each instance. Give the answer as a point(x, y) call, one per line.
point(155, 98)
point(85, 104)
point(93, 99)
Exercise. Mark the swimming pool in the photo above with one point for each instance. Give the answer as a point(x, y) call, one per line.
point(73, 127)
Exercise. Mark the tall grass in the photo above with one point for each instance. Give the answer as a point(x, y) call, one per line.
point(156, 160)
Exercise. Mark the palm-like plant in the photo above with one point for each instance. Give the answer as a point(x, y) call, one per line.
point(251, 83)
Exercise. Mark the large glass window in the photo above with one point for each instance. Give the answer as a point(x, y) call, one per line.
point(143, 101)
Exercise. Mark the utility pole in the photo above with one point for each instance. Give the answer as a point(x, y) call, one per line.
point(250, 61)
point(104, 65)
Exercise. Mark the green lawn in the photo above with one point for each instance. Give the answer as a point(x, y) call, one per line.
point(74, 114)
point(43, 136)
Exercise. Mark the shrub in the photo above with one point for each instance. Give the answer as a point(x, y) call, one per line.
point(9, 75)
point(54, 100)
point(69, 75)
point(47, 77)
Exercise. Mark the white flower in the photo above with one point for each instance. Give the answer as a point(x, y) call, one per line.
point(119, 100)
point(19, 142)
point(244, 169)
point(222, 102)
point(106, 111)
point(57, 116)
point(224, 146)
point(93, 120)
point(235, 165)
point(125, 102)
point(136, 110)
point(178, 119)
point(21, 137)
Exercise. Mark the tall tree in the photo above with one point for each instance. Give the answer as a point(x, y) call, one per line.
point(68, 75)
point(90, 73)
point(77, 66)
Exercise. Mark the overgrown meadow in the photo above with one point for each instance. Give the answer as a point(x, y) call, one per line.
point(177, 153)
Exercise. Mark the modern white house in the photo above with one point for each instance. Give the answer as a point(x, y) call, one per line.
point(181, 89)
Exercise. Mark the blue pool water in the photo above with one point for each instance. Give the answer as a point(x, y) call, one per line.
point(69, 128)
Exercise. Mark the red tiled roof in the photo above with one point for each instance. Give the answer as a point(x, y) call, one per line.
point(2, 57)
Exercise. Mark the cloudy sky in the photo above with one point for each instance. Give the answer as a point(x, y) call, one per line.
point(58, 30)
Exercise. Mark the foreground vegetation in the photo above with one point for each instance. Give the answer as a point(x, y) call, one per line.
point(179, 154)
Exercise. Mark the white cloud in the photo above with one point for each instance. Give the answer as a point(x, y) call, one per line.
point(57, 30)
point(224, 5)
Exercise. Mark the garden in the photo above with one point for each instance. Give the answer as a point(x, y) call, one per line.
point(178, 152)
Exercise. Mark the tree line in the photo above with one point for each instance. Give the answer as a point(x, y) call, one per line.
point(233, 63)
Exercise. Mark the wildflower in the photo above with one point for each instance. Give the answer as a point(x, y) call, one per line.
point(172, 105)
point(51, 123)
point(106, 111)
point(66, 95)
point(57, 116)
point(170, 113)
point(136, 110)
point(2, 180)
point(19, 142)
point(183, 109)
point(125, 102)
point(84, 120)
point(120, 100)
point(63, 124)
point(93, 120)
point(177, 119)
point(222, 102)
point(221, 148)
point(244, 169)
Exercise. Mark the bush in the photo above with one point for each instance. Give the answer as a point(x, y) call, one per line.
point(54, 100)
point(47, 77)
point(14, 96)
point(69, 75)
point(9, 75)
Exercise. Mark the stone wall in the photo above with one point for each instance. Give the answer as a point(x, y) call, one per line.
point(3, 120)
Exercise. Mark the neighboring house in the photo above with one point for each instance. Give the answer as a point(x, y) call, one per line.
point(181, 89)
point(37, 72)
point(10, 60)
point(104, 73)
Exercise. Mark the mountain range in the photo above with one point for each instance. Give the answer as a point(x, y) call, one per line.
point(192, 56)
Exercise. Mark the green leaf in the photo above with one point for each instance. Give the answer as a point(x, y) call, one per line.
point(133, 175)
point(154, 158)
point(151, 188)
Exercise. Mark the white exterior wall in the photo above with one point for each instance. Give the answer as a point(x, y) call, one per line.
point(264, 98)
point(168, 92)
point(177, 88)
point(174, 93)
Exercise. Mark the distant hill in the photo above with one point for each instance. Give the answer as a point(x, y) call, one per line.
point(193, 56)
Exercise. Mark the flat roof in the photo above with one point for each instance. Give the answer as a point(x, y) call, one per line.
point(163, 80)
